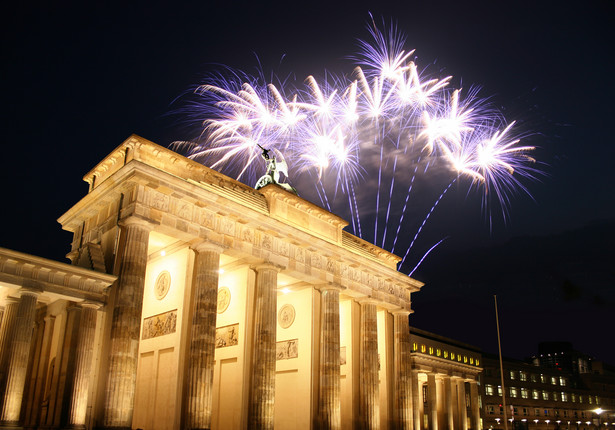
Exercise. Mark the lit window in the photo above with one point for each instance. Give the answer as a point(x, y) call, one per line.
point(564, 397)
point(452, 355)
point(431, 350)
point(590, 399)
point(445, 354)
point(458, 357)
point(523, 376)
point(477, 362)
point(557, 412)
point(489, 389)
point(562, 381)
point(545, 395)
point(535, 394)
point(465, 359)
point(438, 352)
point(555, 397)
point(546, 412)
point(533, 378)
point(513, 375)
point(553, 380)
point(573, 397)
point(580, 398)
point(597, 400)
point(543, 379)
point(499, 390)
point(513, 391)
point(524, 393)
point(415, 347)
point(471, 360)
point(423, 348)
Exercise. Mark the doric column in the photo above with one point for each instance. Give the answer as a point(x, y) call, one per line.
point(432, 394)
point(329, 398)
point(474, 405)
point(369, 390)
point(6, 334)
point(461, 399)
point(84, 351)
point(126, 326)
point(403, 371)
point(416, 400)
point(448, 388)
point(17, 360)
point(262, 388)
point(203, 337)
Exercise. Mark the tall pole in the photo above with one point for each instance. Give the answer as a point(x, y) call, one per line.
point(497, 323)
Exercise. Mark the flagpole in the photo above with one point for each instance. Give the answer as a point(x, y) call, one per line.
point(497, 323)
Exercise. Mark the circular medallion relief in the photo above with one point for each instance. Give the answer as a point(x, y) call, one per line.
point(224, 298)
point(286, 316)
point(162, 285)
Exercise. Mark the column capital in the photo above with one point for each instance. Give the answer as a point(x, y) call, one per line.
point(208, 246)
point(10, 300)
point(267, 265)
point(400, 312)
point(367, 301)
point(134, 220)
point(90, 304)
point(328, 286)
point(30, 291)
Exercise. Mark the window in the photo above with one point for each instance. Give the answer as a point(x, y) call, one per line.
point(438, 352)
point(445, 354)
point(513, 375)
point(490, 409)
point(537, 412)
point(562, 381)
point(590, 399)
point(553, 380)
point(500, 390)
point(546, 412)
point(431, 350)
point(465, 358)
point(573, 397)
point(525, 412)
point(545, 395)
point(424, 393)
point(522, 376)
point(564, 396)
point(580, 398)
point(555, 397)
point(452, 355)
point(524, 393)
point(597, 400)
point(535, 394)
point(513, 392)
point(557, 412)
point(423, 349)
point(471, 360)
point(533, 378)
point(458, 357)
point(565, 413)
point(489, 390)
point(477, 362)
point(415, 347)
point(543, 379)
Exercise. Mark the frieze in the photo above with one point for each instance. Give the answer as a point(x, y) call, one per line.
point(207, 219)
point(227, 336)
point(160, 325)
point(267, 242)
point(159, 201)
point(287, 349)
point(299, 254)
point(281, 247)
point(247, 235)
point(315, 260)
point(185, 211)
point(228, 226)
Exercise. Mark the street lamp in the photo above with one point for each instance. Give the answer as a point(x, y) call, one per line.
point(598, 411)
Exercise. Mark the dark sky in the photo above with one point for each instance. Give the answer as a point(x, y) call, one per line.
point(79, 78)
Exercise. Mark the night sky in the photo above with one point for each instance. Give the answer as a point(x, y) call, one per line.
point(78, 79)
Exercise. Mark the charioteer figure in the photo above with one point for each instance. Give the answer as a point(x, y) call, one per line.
point(272, 174)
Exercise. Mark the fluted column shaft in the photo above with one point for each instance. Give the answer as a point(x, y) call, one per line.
point(17, 361)
point(203, 337)
point(6, 335)
point(474, 405)
point(448, 388)
point(403, 371)
point(126, 326)
point(329, 399)
point(262, 388)
point(432, 394)
point(463, 413)
point(416, 400)
point(80, 386)
point(369, 385)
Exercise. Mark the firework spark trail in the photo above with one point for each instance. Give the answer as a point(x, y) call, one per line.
point(425, 220)
point(425, 255)
point(328, 130)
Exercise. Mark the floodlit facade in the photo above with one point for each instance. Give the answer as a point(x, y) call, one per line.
point(194, 301)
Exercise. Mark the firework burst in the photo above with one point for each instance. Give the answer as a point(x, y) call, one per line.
point(375, 130)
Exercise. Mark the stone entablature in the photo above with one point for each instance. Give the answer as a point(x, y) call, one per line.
point(24, 270)
point(145, 180)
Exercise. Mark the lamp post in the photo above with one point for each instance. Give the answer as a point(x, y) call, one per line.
point(598, 411)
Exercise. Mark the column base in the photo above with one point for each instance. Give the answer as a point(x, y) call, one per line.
point(12, 425)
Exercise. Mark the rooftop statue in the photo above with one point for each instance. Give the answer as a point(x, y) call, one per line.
point(272, 174)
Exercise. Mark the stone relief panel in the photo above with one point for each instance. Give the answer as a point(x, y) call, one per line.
point(162, 285)
point(159, 201)
point(160, 325)
point(286, 316)
point(227, 335)
point(224, 299)
point(287, 349)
